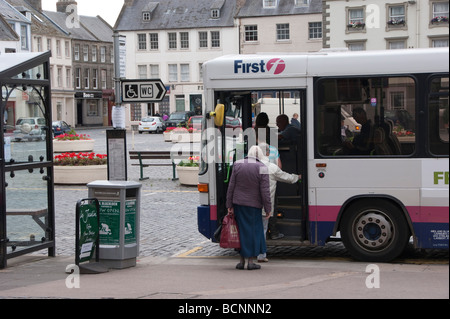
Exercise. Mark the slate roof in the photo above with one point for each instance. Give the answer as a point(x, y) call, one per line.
point(6, 32)
point(91, 28)
point(40, 23)
point(10, 14)
point(254, 8)
point(175, 14)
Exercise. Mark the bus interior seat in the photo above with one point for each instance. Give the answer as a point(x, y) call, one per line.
point(380, 143)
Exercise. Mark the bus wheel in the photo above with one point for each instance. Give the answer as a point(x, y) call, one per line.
point(374, 231)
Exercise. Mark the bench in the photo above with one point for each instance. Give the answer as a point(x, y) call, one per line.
point(158, 155)
point(36, 214)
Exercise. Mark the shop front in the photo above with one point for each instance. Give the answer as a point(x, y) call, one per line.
point(89, 108)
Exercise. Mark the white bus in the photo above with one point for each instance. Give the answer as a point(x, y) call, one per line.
point(379, 186)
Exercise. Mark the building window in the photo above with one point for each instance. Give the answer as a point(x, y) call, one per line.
point(59, 77)
point(68, 77)
point(58, 48)
point(95, 79)
point(24, 37)
point(184, 40)
point(78, 78)
point(172, 40)
point(283, 32)
point(103, 79)
point(215, 39)
point(251, 33)
point(355, 19)
point(396, 44)
point(173, 73)
point(49, 44)
point(302, 3)
point(203, 39)
point(439, 43)
point(86, 53)
point(184, 69)
point(154, 71)
point(94, 53)
point(440, 12)
point(142, 41)
point(396, 16)
point(270, 3)
point(39, 44)
point(356, 46)
point(67, 48)
point(154, 41)
point(86, 78)
point(76, 52)
point(146, 16)
point(315, 30)
point(103, 54)
point(142, 71)
point(215, 13)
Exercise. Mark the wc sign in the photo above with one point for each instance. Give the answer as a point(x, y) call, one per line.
point(143, 91)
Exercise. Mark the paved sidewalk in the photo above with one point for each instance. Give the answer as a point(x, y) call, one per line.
point(216, 278)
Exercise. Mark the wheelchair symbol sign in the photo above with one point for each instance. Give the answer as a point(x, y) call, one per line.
point(131, 91)
point(143, 90)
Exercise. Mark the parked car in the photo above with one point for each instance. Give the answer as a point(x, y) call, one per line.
point(179, 119)
point(30, 128)
point(60, 127)
point(151, 124)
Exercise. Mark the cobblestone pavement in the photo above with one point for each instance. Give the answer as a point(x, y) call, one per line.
point(169, 214)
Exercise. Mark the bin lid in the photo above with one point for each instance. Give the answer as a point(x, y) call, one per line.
point(114, 184)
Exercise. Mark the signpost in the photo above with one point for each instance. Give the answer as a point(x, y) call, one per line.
point(143, 91)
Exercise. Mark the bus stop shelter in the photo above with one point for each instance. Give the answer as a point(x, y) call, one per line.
point(27, 217)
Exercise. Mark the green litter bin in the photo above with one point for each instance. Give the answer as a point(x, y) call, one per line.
point(119, 210)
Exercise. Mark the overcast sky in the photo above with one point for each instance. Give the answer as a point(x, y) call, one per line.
point(108, 9)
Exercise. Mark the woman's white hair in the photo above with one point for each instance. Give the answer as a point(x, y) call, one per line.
point(257, 152)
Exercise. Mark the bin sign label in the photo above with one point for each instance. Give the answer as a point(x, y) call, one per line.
point(89, 231)
point(109, 222)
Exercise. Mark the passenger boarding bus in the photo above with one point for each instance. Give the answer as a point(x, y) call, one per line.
point(378, 185)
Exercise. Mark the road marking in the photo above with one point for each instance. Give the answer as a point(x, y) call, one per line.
point(187, 253)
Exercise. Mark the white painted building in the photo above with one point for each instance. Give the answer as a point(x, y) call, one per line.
point(393, 24)
point(170, 41)
point(280, 26)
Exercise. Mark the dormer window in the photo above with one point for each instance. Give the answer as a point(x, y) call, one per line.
point(268, 4)
point(146, 16)
point(216, 6)
point(215, 13)
point(302, 3)
point(148, 11)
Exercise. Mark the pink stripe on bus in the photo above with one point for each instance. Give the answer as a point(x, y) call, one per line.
point(426, 214)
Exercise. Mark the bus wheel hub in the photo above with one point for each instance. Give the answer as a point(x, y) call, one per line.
point(373, 231)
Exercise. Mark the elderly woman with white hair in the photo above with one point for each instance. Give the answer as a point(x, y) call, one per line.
point(249, 192)
point(262, 152)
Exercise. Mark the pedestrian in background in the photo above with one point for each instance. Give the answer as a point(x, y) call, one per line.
point(248, 193)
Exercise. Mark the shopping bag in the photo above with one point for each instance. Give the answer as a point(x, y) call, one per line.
point(229, 237)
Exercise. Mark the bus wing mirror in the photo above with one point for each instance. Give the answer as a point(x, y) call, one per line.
point(218, 114)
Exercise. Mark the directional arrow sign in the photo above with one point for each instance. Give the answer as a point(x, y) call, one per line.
point(143, 90)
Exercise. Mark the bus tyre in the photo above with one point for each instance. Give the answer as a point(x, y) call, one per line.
point(374, 231)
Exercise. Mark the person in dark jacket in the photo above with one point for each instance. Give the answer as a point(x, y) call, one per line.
point(248, 193)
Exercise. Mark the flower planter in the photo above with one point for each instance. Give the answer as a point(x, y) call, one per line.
point(167, 136)
point(73, 146)
point(77, 175)
point(186, 137)
point(188, 175)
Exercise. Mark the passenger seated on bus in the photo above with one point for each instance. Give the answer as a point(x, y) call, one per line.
point(362, 143)
point(289, 134)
